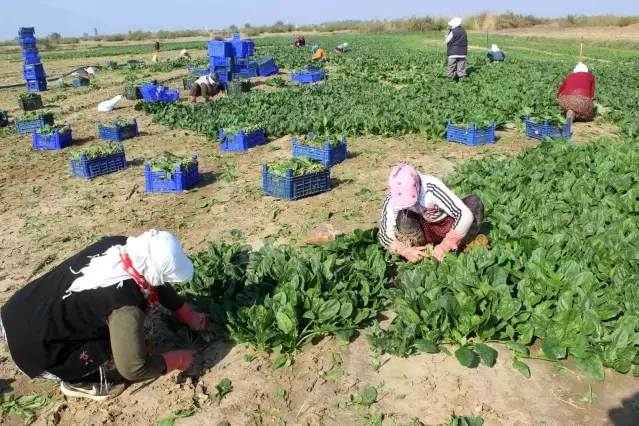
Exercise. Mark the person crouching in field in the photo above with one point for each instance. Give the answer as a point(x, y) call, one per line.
point(300, 42)
point(457, 49)
point(420, 210)
point(577, 93)
point(496, 54)
point(318, 53)
point(83, 321)
point(206, 86)
point(342, 48)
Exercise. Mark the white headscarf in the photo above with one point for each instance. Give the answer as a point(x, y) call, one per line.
point(183, 52)
point(454, 23)
point(157, 255)
point(581, 68)
point(495, 48)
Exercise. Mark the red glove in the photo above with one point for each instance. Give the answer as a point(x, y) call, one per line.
point(196, 321)
point(178, 360)
point(450, 243)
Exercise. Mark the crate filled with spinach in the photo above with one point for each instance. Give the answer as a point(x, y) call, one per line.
point(52, 137)
point(118, 130)
point(171, 173)
point(98, 160)
point(295, 178)
point(30, 121)
point(30, 101)
point(240, 140)
point(330, 150)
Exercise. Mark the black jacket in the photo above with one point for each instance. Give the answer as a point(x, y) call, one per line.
point(458, 45)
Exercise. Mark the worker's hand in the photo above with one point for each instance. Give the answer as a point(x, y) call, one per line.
point(194, 320)
point(439, 253)
point(211, 98)
point(415, 254)
point(178, 360)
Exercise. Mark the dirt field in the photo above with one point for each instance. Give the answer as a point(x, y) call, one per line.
point(46, 215)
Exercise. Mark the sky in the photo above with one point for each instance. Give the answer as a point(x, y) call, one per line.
point(72, 18)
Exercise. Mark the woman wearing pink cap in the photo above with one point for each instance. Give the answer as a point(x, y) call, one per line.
point(422, 203)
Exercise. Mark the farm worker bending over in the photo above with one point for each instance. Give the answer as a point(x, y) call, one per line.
point(185, 55)
point(318, 53)
point(76, 321)
point(206, 86)
point(420, 210)
point(577, 93)
point(342, 48)
point(457, 49)
point(496, 54)
point(300, 42)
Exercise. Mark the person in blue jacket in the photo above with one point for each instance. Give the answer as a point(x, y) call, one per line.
point(496, 54)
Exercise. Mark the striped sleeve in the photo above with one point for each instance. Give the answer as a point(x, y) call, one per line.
point(447, 201)
point(388, 223)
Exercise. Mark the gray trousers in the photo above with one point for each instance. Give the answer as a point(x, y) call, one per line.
point(456, 66)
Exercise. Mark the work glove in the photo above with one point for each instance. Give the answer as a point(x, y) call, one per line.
point(412, 254)
point(178, 360)
point(196, 321)
point(449, 243)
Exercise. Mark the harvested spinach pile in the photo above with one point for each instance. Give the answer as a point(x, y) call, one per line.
point(97, 151)
point(50, 130)
point(169, 162)
point(319, 141)
point(118, 122)
point(300, 166)
point(33, 115)
point(278, 299)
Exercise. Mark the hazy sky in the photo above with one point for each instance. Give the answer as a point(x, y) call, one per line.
point(72, 17)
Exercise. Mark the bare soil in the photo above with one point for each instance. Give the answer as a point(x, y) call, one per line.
point(47, 215)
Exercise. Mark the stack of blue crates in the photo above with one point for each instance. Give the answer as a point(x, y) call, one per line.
point(231, 59)
point(32, 69)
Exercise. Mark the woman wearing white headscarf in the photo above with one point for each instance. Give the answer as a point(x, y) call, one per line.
point(577, 93)
point(496, 54)
point(457, 49)
point(76, 321)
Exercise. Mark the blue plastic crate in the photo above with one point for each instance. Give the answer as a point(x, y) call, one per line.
point(37, 85)
point(329, 155)
point(471, 136)
point(220, 49)
point(52, 142)
point(251, 70)
point(267, 67)
point(81, 81)
point(220, 62)
point(242, 48)
point(179, 181)
point(31, 59)
point(28, 40)
point(201, 72)
point(4, 118)
point(541, 131)
point(89, 169)
point(30, 47)
point(118, 133)
point(310, 75)
point(241, 141)
point(26, 126)
point(26, 32)
point(32, 72)
point(225, 77)
point(157, 93)
point(291, 187)
point(242, 62)
point(29, 52)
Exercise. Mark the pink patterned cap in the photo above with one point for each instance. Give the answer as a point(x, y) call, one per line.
point(404, 183)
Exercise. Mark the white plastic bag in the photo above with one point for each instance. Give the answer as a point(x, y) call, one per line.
point(107, 106)
point(90, 70)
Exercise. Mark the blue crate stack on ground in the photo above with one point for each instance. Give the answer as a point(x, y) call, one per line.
point(291, 187)
point(309, 75)
point(232, 59)
point(179, 181)
point(89, 169)
point(32, 70)
point(241, 141)
point(329, 155)
point(472, 135)
point(542, 131)
point(55, 141)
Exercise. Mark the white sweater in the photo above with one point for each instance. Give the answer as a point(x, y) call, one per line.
point(436, 203)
